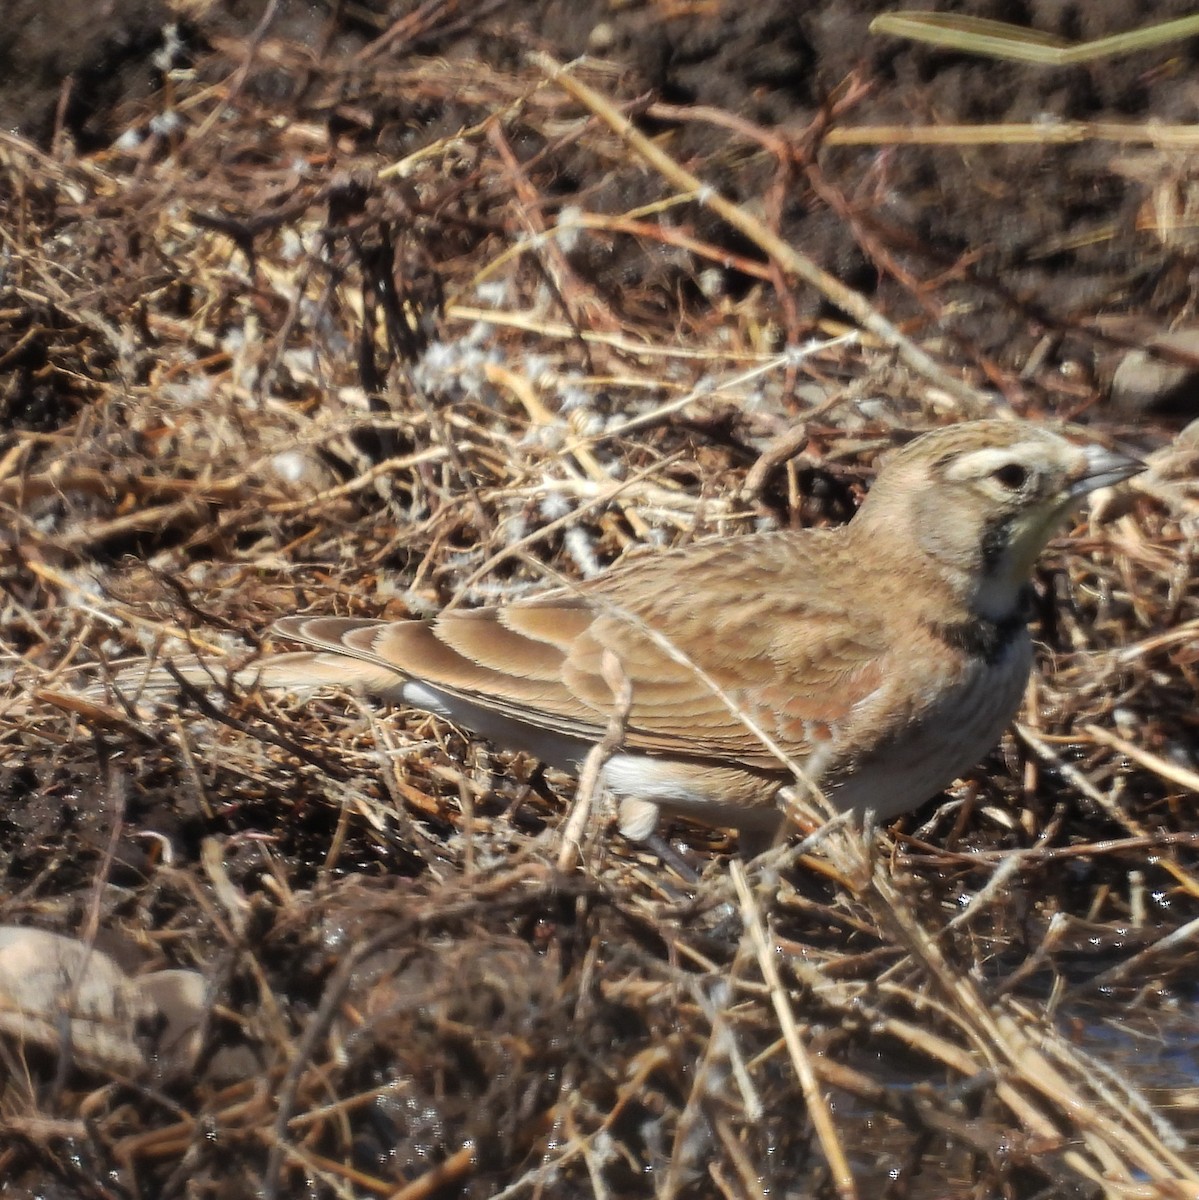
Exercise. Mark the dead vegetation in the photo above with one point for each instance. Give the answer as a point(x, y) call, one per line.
point(253, 365)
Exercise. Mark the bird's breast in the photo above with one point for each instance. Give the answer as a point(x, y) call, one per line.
point(944, 738)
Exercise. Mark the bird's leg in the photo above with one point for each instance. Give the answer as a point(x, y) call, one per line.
point(671, 858)
point(535, 785)
point(638, 822)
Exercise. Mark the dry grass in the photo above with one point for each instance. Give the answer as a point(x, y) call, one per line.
point(253, 366)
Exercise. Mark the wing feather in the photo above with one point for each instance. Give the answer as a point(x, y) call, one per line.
point(790, 667)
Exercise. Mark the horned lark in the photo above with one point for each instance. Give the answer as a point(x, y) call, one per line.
point(882, 659)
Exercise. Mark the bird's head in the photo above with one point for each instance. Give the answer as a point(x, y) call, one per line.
point(982, 499)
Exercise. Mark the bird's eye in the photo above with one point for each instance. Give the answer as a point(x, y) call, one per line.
point(1011, 476)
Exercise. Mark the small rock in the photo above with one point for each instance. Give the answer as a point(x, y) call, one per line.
point(59, 993)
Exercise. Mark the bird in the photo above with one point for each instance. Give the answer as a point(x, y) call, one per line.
point(872, 663)
point(876, 661)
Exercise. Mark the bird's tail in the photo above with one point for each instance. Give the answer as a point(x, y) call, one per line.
point(297, 671)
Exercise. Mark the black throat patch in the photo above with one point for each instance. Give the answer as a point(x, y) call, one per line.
point(996, 539)
point(983, 638)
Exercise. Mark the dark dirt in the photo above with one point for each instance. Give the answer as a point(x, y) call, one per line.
point(1024, 241)
point(402, 993)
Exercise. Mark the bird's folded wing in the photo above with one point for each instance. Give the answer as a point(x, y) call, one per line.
point(698, 689)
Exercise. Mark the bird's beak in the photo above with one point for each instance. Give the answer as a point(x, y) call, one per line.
point(1103, 468)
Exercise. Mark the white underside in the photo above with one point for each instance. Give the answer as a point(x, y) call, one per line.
point(657, 781)
point(954, 734)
